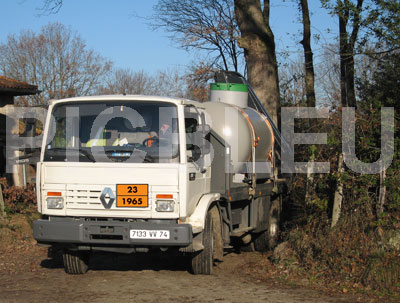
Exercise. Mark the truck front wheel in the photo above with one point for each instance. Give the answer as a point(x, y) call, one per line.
point(75, 262)
point(203, 261)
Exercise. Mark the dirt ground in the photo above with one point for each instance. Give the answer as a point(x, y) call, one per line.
point(28, 275)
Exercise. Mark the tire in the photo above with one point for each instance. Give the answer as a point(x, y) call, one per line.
point(75, 262)
point(203, 261)
point(247, 247)
point(268, 239)
point(54, 253)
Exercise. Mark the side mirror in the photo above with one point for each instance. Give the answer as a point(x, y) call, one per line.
point(205, 147)
point(205, 134)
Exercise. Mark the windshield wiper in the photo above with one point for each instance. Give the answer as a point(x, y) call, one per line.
point(84, 152)
point(87, 154)
point(148, 159)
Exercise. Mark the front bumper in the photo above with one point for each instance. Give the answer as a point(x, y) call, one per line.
point(82, 232)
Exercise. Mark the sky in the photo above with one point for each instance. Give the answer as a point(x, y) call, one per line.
point(118, 29)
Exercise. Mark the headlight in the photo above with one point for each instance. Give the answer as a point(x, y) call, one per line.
point(165, 205)
point(55, 203)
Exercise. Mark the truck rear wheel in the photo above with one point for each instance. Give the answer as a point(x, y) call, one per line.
point(75, 262)
point(203, 261)
point(268, 239)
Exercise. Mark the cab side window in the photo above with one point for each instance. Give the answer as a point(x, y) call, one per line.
point(191, 127)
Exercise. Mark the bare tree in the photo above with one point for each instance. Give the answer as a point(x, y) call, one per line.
point(197, 78)
point(170, 82)
point(291, 83)
point(126, 81)
point(310, 89)
point(56, 60)
point(349, 16)
point(328, 74)
point(208, 25)
point(167, 82)
point(258, 43)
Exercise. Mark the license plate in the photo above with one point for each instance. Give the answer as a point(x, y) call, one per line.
point(149, 234)
point(132, 195)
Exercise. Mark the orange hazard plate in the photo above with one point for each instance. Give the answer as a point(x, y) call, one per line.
point(132, 195)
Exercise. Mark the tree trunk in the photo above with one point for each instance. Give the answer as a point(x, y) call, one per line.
point(382, 191)
point(338, 198)
point(310, 90)
point(258, 43)
point(346, 51)
point(347, 89)
point(2, 213)
point(343, 51)
point(308, 54)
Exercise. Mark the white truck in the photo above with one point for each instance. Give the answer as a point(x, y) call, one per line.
point(130, 174)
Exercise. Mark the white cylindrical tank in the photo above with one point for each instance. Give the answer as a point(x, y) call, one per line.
point(242, 129)
point(230, 93)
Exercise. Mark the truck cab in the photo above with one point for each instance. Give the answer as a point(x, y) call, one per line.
point(116, 173)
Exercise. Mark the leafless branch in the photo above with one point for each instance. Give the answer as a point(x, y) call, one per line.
point(50, 7)
point(56, 60)
point(208, 25)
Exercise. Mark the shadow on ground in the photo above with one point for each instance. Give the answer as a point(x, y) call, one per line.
point(155, 261)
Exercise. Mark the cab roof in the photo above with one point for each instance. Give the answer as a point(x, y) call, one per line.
point(145, 98)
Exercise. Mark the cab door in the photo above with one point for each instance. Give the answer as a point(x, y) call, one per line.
point(198, 175)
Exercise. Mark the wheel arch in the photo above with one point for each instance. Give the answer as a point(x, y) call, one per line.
point(197, 219)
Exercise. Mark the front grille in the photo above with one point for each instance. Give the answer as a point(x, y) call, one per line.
point(83, 199)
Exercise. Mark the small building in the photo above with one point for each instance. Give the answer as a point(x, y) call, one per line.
point(9, 88)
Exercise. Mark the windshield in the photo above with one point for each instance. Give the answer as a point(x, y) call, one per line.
point(135, 131)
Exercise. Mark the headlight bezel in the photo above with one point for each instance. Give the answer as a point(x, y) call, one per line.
point(163, 205)
point(55, 202)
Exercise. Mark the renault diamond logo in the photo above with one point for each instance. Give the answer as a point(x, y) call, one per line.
point(107, 193)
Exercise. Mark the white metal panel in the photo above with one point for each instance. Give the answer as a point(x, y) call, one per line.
point(113, 173)
point(82, 184)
